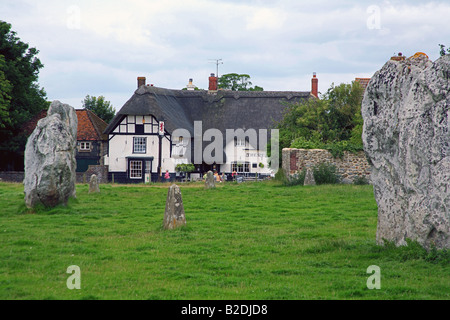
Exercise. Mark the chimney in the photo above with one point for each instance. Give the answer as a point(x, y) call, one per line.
point(399, 57)
point(190, 86)
point(140, 81)
point(315, 86)
point(212, 82)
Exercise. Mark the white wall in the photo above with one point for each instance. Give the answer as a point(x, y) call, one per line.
point(243, 154)
point(121, 147)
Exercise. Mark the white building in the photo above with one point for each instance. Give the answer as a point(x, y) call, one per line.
point(220, 130)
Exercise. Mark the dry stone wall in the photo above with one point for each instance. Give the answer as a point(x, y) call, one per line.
point(349, 167)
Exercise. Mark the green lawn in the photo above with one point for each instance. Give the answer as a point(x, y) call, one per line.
point(242, 241)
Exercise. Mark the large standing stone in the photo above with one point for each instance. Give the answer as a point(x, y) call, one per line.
point(93, 184)
point(309, 178)
point(406, 137)
point(174, 215)
point(50, 158)
point(210, 181)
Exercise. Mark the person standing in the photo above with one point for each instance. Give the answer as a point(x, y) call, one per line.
point(167, 176)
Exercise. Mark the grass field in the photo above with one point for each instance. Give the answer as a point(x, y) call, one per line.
point(255, 240)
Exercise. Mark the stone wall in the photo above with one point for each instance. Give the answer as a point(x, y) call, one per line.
point(99, 170)
point(12, 176)
point(82, 177)
point(349, 167)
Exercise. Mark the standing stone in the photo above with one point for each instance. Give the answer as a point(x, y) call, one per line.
point(406, 110)
point(50, 158)
point(93, 184)
point(174, 214)
point(309, 178)
point(210, 181)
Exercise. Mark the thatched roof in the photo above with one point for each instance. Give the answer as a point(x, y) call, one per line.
point(222, 110)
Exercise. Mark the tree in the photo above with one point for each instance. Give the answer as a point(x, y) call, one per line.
point(237, 82)
point(100, 107)
point(20, 95)
point(185, 168)
point(5, 95)
point(333, 122)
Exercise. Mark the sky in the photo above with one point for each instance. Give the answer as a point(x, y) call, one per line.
point(99, 48)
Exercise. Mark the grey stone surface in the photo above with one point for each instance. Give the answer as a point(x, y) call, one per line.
point(93, 184)
point(406, 138)
point(309, 178)
point(50, 158)
point(210, 180)
point(174, 215)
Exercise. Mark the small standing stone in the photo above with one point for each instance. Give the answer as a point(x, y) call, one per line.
point(93, 184)
point(309, 178)
point(210, 183)
point(174, 214)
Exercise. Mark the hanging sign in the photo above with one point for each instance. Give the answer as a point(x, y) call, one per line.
point(161, 128)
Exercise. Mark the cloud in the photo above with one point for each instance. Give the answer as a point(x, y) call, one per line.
point(100, 47)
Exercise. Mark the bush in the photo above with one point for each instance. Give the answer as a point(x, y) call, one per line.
point(280, 176)
point(185, 167)
point(360, 181)
point(325, 173)
point(303, 143)
point(337, 148)
point(294, 180)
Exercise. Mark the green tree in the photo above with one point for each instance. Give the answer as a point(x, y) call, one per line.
point(5, 95)
point(100, 107)
point(20, 95)
point(185, 168)
point(237, 82)
point(332, 122)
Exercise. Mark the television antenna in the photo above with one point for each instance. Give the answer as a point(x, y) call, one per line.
point(217, 62)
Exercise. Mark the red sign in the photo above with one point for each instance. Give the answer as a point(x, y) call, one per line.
point(161, 127)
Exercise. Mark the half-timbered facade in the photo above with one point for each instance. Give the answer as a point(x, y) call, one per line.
point(158, 128)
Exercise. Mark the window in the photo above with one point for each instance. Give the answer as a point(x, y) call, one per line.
point(135, 169)
point(85, 146)
point(240, 167)
point(139, 145)
point(240, 142)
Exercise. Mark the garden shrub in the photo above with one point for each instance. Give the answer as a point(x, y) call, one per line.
point(360, 180)
point(293, 180)
point(325, 173)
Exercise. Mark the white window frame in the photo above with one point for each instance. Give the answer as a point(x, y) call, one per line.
point(85, 146)
point(136, 169)
point(140, 145)
point(243, 168)
point(240, 142)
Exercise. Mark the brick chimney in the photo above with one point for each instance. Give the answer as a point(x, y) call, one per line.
point(140, 81)
point(212, 83)
point(399, 57)
point(315, 86)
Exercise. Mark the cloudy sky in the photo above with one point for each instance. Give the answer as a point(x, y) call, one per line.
point(100, 47)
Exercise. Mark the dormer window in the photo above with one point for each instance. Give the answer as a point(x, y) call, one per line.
point(240, 142)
